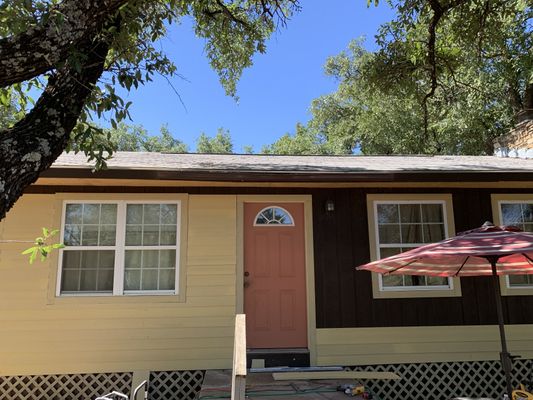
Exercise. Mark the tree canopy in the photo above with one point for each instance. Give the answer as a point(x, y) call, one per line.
point(448, 77)
point(76, 53)
point(136, 138)
point(221, 143)
point(304, 141)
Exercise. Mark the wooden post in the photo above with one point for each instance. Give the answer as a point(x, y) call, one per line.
point(138, 377)
point(238, 375)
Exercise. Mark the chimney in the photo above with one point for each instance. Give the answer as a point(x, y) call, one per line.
point(519, 141)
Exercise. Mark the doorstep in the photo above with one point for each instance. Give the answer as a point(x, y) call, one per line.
point(269, 358)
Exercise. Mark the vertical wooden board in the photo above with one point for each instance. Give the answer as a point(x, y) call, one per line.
point(446, 311)
point(468, 290)
point(332, 277)
point(319, 257)
point(326, 256)
point(345, 250)
point(238, 376)
point(486, 303)
point(516, 308)
point(363, 299)
point(472, 206)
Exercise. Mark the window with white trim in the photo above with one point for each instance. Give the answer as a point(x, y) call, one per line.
point(273, 216)
point(403, 225)
point(119, 247)
point(520, 214)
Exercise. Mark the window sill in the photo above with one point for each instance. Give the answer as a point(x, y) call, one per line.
point(140, 298)
point(378, 293)
point(516, 290)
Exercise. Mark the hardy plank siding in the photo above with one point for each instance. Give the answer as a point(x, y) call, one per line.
point(362, 346)
point(23, 286)
point(42, 334)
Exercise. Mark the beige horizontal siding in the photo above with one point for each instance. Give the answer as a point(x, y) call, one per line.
point(360, 346)
point(42, 334)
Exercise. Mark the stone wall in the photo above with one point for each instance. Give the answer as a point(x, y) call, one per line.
point(517, 143)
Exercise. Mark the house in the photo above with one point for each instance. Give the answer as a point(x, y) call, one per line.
point(162, 250)
point(519, 141)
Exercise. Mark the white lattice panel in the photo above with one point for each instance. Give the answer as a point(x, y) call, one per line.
point(63, 387)
point(444, 381)
point(171, 385)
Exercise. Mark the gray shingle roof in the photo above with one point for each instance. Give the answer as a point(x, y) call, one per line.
point(301, 164)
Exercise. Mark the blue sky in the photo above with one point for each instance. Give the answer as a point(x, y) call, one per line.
point(274, 94)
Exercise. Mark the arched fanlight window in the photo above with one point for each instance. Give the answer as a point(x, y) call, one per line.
point(273, 216)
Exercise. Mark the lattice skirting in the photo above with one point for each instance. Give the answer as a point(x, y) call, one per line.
point(445, 380)
point(63, 387)
point(175, 385)
point(163, 385)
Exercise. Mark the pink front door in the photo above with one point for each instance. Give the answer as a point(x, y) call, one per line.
point(274, 275)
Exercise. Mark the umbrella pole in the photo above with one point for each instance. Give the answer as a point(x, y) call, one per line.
point(505, 357)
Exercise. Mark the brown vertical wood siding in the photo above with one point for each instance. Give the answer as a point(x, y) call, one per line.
point(343, 296)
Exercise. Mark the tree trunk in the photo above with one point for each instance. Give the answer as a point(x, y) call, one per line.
point(35, 142)
point(44, 46)
point(528, 98)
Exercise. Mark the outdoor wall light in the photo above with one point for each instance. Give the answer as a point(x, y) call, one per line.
point(330, 206)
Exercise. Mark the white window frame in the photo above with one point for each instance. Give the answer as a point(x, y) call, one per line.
point(383, 288)
point(271, 225)
point(500, 216)
point(120, 248)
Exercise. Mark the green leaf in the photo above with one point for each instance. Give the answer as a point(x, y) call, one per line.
point(33, 256)
point(42, 247)
point(4, 98)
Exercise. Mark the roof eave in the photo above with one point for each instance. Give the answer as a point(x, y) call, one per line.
point(232, 175)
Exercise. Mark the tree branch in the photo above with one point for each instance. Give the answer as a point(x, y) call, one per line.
point(432, 58)
point(227, 12)
point(528, 97)
point(45, 46)
point(438, 12)
point(34, 143)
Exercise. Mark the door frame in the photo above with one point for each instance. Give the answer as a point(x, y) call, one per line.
point(306, 200)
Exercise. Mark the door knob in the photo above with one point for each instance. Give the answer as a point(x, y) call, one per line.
point(246, 273)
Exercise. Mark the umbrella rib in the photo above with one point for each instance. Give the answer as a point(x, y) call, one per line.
point(462, 265)
point(528, 258)
point(402, 266)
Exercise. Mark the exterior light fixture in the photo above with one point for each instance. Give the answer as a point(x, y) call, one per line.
point(330, 206)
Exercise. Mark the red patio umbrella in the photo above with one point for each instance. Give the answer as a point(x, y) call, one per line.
point(488, 250)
